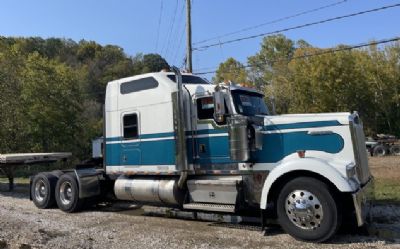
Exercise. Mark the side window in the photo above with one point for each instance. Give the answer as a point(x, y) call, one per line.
point(205, 108)
point(138, 85)
point(130, 122)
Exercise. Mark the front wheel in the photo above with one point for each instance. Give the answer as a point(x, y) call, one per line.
point(67, 193)
point(307, 210)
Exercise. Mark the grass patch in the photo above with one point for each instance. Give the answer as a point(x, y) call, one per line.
point(387, 190)
point(18, 180)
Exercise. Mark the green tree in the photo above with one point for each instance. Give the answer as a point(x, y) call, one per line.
point(52, 100)
point(13, 125)
point(269, 70)
point(231, 70)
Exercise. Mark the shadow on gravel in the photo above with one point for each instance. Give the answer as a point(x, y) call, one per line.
point(20, 191)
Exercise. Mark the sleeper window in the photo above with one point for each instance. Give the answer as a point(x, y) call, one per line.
point(138, 85)
point(130, 126)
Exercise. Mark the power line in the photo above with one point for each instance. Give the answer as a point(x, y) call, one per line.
point(325, 51)
point(271, 22)
point(177, 32)
point(168, 41)
point(297, 27)
point(179, 44)
point(159, 24)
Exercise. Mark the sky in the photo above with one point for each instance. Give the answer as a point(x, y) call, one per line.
point(157, 26)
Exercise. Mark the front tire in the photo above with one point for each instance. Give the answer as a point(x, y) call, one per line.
point(307, 210)
point(67, 194)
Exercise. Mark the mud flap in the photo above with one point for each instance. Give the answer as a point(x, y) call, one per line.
point(88, 182)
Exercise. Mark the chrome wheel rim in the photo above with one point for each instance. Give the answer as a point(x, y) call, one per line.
point(66, 193)
point(304, 209)
point(40, 190)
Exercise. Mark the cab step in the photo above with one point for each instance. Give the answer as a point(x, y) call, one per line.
point(226, 208)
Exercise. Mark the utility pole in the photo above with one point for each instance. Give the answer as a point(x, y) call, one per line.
point(189, 65)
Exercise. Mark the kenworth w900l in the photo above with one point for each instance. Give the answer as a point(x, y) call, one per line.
point(176, 140)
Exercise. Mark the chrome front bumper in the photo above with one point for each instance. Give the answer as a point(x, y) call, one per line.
point(362, 202)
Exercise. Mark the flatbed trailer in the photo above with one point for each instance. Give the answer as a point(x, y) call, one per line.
point(9, 162)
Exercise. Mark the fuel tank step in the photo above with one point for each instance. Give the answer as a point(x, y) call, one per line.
point(226, 208)
point(214, 190)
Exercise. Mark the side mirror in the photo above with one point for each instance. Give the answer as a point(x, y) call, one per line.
point(219, 107)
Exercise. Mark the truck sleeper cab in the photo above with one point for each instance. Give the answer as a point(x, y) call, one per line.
point(177, 140)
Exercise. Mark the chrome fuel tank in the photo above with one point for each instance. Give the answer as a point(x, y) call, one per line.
point(149, 190)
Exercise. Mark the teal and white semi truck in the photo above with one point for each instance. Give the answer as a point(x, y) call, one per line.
point(176, 140)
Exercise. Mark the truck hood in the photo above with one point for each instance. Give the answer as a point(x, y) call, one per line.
point(309, 119)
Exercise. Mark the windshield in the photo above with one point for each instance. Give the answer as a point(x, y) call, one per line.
point(249, 103)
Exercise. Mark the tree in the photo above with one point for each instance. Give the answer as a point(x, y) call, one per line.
point(154, 63)
point(13, 131)
point(269, 70)
point(52, 100)
point(231, 70)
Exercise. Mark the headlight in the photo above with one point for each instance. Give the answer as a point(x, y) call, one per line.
point(351, 170)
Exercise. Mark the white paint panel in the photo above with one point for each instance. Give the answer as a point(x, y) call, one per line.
point(315, 165)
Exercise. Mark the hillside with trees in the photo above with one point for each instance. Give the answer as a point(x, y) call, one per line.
point(52, 91)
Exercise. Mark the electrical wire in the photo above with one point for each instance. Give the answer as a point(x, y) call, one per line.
point(179, 44)
point(271, 22)
point(296, 27)
point(168, 41)
point(178, 33)
point(159, 24)
point(325, 51)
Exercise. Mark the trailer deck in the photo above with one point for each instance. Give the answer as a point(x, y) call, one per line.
point(9, 162)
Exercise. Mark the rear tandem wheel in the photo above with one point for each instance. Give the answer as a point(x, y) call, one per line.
point(67, 193)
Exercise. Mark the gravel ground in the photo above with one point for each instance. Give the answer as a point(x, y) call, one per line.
point(22, 225)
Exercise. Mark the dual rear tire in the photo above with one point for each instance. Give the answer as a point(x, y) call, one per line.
point(48, 189)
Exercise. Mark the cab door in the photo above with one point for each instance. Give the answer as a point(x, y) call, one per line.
point(130, 153)
point(212, 142)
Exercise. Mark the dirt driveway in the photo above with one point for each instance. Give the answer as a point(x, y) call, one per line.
point(22, 225)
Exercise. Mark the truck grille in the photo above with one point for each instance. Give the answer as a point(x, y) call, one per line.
point(360, 151)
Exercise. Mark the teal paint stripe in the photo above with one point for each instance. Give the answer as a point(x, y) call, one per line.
point(143, 136)
point(209, 131)
point(302, 125)
point(277, 146)
point(113, 139)
point(141, 153)
point(157, 135)
point(222, 131)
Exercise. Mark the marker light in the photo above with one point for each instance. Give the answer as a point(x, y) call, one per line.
point(301, 153)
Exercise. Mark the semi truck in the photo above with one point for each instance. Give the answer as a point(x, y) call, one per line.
point(173, 139)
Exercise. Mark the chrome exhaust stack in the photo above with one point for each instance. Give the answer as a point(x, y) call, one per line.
point(179, 129)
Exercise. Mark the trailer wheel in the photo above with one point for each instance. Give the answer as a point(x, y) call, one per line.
point(379, 150)
point(67, 193)
point(42, 190)
point(395, 150)
point(307, 210)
